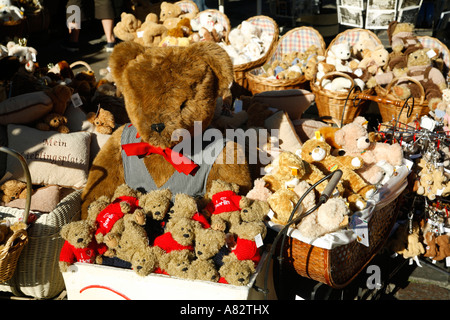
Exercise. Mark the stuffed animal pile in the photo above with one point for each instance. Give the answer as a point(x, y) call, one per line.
point(170, 27)
point(151, 233)
point(247, 43)
point(291, 65)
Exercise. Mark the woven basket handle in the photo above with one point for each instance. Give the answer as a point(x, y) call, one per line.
point(395, 80)
point(336, 73)
point(85, 64)
point(19, 234)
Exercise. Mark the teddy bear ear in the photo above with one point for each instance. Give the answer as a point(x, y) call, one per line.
point(123, 53)
point(65, 231)
point(219, 61)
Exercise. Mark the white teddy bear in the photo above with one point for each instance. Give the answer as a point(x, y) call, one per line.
point(339, 55)
point(9, 12)
point(26, 55)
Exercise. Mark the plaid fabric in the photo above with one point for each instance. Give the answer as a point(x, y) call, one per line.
point(352, 36)
point(297, 40)
point(263, 24)
point(187, 6)
point(433, 43)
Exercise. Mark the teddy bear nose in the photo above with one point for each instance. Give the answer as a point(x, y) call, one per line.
point(139, 267)
point(186, 235)
point(157, 213)
point(184, 269)
point(158, 127)
point(80, 240)
point(199, 253)
point(241, 279)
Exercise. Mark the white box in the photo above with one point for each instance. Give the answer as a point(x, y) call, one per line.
point(96, 282)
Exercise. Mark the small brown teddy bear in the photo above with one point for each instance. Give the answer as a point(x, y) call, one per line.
point(126, 28)
point(176, 263)
point(53, 121)
point(155, 205)
point(211, 245)
point(236, 272)
point(79, 244)
point(443, 241)
point(225, 205)
point(103, 120)
point(169, 14)
point(178, 235)
point(13, 189)
point(60, 95)
point(185, 206)
point(151, 32)
point(282, 202)
point(375, 61)
point(431, 249)
point(203, 270)
point(179, 101)
point(111, 219)
point(401, 36)
point(132, 239)
point(145, 260)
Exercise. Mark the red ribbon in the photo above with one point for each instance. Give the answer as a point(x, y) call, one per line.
point(178, 161)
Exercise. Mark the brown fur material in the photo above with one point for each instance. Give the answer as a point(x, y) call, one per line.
point(171, 85)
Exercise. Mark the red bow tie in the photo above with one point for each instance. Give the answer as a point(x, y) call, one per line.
point(178, 161)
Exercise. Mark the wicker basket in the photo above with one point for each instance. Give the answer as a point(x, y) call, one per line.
point(37, 274)
point(391, 108)
point(337, 267)
point(296, 40)
point(331, 104)
point(10, 253)
point(338, 107)
point(240, 71)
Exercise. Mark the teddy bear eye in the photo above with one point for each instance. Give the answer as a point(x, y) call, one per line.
point(183, 105)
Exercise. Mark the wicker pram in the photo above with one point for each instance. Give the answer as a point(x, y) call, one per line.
point(337, 265)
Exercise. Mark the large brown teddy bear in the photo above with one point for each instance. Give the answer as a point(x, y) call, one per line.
point(166, 89)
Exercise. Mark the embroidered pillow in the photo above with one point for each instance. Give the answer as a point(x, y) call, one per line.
point(53, 158)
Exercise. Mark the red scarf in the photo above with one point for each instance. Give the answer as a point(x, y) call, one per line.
point(182, 163)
